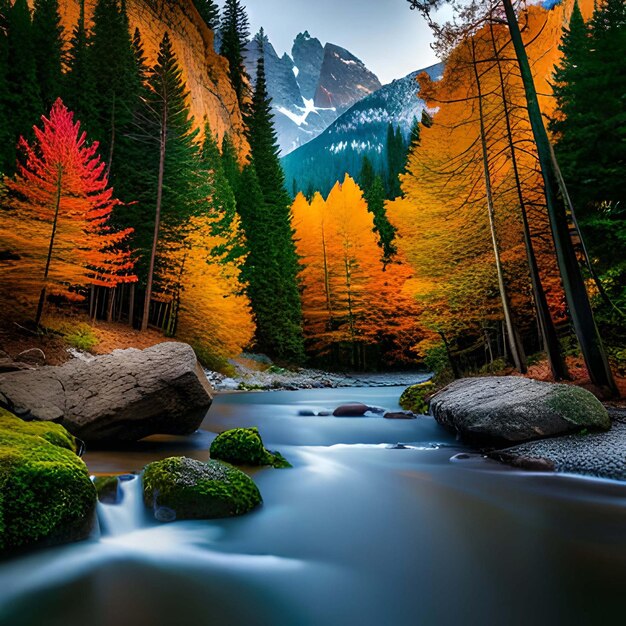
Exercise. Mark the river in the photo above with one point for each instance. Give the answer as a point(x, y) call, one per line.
point(360, 531)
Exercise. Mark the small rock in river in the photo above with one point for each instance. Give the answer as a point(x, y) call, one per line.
point(399, 415)
point(352, 409)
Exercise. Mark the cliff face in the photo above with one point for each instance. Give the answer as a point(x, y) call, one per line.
point(204, 70)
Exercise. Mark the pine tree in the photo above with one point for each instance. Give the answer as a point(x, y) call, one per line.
point(209, 12)
point(78, 81)
point(396, 151)
point(22, 73)
point(7, 143)
point(375, 194)
point(230, 161)
point(47, 46)
point(116, 84)
point(234, 32)
point(272, 265)
point(180, 190)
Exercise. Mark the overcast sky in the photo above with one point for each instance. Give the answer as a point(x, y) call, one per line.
point(386, 35)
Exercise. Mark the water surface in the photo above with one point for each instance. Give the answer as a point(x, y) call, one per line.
point(358, 532)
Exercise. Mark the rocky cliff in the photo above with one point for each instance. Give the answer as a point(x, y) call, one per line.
point(204, 70)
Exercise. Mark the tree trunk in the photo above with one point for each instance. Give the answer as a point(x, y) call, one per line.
point(110, 304)
point(157, 220)
point(453, 366)
point(571, 276)
point(131, 306)
point(517, 351)
point(55, 222)
point(546, 323)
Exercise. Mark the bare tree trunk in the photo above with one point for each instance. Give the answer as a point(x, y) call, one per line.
point(110, 304)
point(546, 323)
point(131, 306)
point(571, 276)
point(55, 222)
point(157, 220)
point(517, 351)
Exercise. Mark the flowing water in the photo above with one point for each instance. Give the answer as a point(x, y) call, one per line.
point(360, 531)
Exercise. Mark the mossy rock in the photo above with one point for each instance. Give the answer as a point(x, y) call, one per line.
point(244, 446)
point(182, 488)
point(107, 488)
point(416, 397)
point(46, 496)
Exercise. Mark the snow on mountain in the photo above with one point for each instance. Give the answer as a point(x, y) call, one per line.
point(311, 88)
point(359, 131)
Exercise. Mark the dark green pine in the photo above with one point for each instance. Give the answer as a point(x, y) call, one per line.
point(22, 82)
point(272, 266)
point(384, 229)
point(48, 48)
point(78, 84)
point(114, 73)
point(209, 11)
point(230, 161)
point(234, 33)
point(7, 146)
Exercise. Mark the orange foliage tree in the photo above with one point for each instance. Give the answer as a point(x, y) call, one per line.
point(55, 224)
point(355, 308)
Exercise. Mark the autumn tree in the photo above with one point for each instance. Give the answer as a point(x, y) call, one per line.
point(468, 17)
point(60, 204)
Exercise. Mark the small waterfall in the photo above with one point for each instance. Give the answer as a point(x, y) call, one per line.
point(128, 514)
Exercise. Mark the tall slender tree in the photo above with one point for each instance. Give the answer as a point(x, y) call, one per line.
point(7, 144)
point(22, 72)
point(234, 32)
point(47, 47)
point(272, 267)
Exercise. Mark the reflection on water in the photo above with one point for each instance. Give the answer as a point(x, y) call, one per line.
point(357, 533)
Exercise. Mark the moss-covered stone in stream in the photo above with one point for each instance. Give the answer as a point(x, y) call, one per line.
point(416, 397)
point(46, 496)
point(244, 446)
point(54, 433)
point(107, 488)
point(578, 406)
point(183, 488)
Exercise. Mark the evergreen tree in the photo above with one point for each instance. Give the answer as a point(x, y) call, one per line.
point(47, 46)
point(230, 161)
point(590, 128)
point(22, 73)
point(7, 144)
point(176, 188)
point(396, 160)
point(271, 268)
point(209, 12)
point(234, 32)
point(113, 70)
point(78, 85)
point(375, 195)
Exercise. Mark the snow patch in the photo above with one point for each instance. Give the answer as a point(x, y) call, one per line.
point(300, 118)
point(296, 71)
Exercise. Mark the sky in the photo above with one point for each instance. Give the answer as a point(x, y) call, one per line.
point(386, 35)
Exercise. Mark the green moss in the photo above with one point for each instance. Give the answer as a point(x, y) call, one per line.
point(244, 446)
point(189, 489)
point(54, 433)
point(46, 496)
point(579, 406)
point(415, 398)
point(106, 488)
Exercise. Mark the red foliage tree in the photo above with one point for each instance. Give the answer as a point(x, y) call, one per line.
point(61, 204)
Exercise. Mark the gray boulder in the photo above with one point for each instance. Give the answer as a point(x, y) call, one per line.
point(504, 409)
point(122, 396)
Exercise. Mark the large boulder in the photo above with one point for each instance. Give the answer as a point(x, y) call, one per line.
point(122, 396)
point(244, 446)
point(496, 410)
point(181, 488)
point(46, 496)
